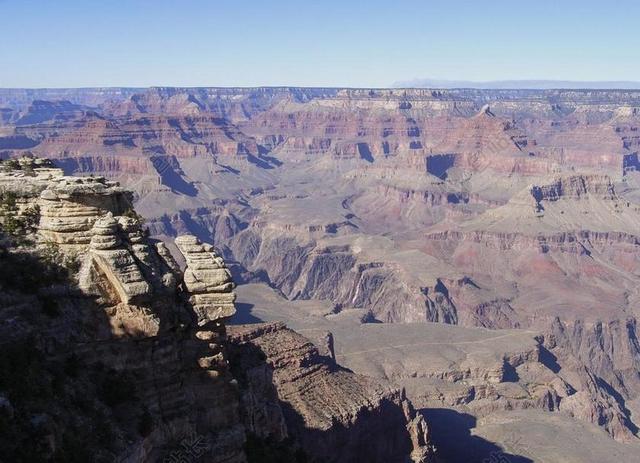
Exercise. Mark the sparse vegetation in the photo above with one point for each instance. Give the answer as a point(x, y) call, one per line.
point(49, 395)
point(33, 384)
point(16, 225)
point(39, 268)
point(52, 256)
point(131, 213)
point(10, 164)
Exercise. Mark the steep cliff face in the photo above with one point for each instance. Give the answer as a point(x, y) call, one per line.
point(332, 413)
point(523, 132)
point(345, 274)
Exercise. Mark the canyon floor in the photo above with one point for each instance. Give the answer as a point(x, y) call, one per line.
point(417, 356)
point(478, 248)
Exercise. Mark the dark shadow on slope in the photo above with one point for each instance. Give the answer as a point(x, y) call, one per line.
point(549, 360)
point(230, 169)
point(618, 397)
point(17, 142)
point(468, 281)
point(53, 385)
point(369, 439)
point(267, 450)
point(175, 124)
point(630, 163)
point(365, 152)
point(451, 434)
point(195, 228)
point(154, 150)
point(453, 198)
point(439, 164)
point(272, 160)
point(510, 373)
point(79, 386)
point(168, 226)
point(375, 435)
point(44, 111)
point(69, 166)
point(171, 178)
point(263, 152)
point(243, 315)
point(259, 161)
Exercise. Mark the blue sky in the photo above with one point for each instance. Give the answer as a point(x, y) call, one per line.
point(70, 43)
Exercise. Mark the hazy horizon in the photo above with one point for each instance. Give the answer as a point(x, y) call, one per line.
point(436, 84)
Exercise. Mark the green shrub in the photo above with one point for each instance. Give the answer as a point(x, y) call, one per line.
point(8, 200)
point(41, 268)
point(11, 164)
point(53, 257)
point(14, 224)
point(131, 213)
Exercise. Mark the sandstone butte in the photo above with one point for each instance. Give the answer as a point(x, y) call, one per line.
point(148, 360)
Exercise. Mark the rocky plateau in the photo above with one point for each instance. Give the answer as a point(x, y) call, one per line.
point(468, 259)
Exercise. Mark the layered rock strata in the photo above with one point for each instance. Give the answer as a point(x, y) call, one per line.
point(69, 207)
point(333, 414)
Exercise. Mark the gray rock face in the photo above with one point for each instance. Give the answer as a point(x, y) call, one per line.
point(331, 413)
point(207, 280)
point(304, 269)
point(69, 207)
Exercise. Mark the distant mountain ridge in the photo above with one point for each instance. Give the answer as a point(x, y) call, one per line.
point(518, 84)
point(21, 99)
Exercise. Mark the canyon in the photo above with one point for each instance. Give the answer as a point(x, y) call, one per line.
point(113, 351)
point(461, 265)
